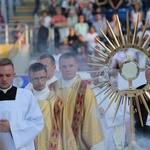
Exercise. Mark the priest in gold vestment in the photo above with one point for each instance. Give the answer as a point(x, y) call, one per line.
point(80, 116)
point(50, 138)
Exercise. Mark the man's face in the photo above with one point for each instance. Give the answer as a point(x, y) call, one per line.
point(68, 68)
point(38, 79)
point(6, 76)
point(49, 67)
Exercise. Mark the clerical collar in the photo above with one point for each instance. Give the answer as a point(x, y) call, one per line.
point(68, 83)
point(45, 89)
point(5, 90)
point(41, 95)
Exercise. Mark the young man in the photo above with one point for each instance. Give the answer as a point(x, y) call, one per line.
point(49, 61)
point(48, 103)
point(80, 106)
point(38, 76)
point(20, 116)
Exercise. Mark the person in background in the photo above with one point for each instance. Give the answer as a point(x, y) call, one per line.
point(100, 24)
point(81, 27)
point(83, 59)
point(70, 5)
point(49, 61)
point(78, 43)
point(72, 18)
point(114, 26)
point(142, 133)
point(42, 37)
point(20, 38)
point(47, 19)
point(19, 126)
point(101, 3)
point(72, 37)
point(134, 14)
point(56, 55)
point(131, 3)
point(65, 47)
point(60, 25)
point(51, 10)
point(90, 38)
point(36, 8)
point(80, 106)
point(115, 5)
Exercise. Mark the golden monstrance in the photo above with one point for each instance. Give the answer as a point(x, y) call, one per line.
point(129, 71)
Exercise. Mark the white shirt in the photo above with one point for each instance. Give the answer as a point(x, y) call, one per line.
point(41, 95)
point(47, 21)
point(68, 83)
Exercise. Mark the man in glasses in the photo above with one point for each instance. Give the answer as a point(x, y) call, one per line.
point(51, 107)
point(49, 61)
point(38, 76)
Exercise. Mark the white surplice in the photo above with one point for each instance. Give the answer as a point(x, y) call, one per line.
point(25, 118)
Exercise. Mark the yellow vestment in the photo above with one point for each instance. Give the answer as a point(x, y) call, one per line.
point(79, 114)
point(50, 137)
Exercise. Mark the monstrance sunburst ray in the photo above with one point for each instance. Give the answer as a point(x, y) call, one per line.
point(107, 39)
point(97, 58)
point(115, 39)
point(107, 95)
point(139, 110)
point(118, 104)
point(144, 30)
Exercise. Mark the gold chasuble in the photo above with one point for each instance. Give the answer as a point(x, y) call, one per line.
point(80, 115)
point(50, 137)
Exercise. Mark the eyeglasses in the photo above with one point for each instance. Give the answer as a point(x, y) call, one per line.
point(43, 78)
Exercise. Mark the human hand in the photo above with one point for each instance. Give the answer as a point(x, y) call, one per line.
point(4, 126)
point(101, 110)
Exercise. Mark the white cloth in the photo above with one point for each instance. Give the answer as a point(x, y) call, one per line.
point(41, 95)
point(68, 83)
point(47, 21)
point(25, 118)
point(99, 146)
point(56, 57)
point(29, 86)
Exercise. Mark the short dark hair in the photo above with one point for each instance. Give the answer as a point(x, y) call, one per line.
point(48, 56)
point(67, 55)
point(5, 62)
point(36, 67)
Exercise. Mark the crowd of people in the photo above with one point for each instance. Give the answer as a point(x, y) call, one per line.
point(76, 24)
